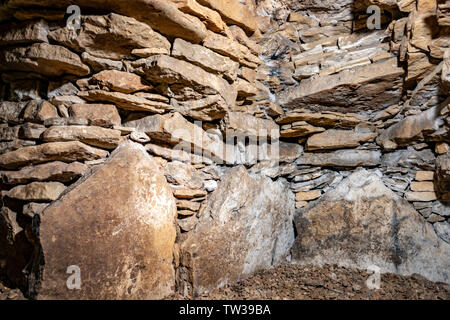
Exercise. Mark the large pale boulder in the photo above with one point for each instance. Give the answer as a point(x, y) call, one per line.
point(117, 225)
point(362, 223)
point(246, 226)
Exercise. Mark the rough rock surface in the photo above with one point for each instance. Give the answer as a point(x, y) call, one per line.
point(52, 171)
point(37, 191)
point(338, 90)
point(362, 223)
point(95, 136)
point(126, 101)
point(242, 124)
point(238, 232)
point(205, 58)
point(329, 282)
point(233, 11)
point(50, 60)
point(111, 37)
point(59, 151)
point(164, 69)
point(175, 130)
point(103, 115)
point(210, 108)
point(23, 33)
point(304, 92)
point(119, 81)
point(342, 158)
point(412, 128)
point(158, 14)
point(232, 49)
point(131, 258)
point(339, 139)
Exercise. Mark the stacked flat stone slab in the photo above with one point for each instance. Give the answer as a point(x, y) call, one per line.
point(251, 217)
point(114, 262)
point(353, 224)
point(326, 78)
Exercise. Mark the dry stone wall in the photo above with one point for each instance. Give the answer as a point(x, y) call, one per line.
point(255, 112)
point(173, 80)
point(355, 97)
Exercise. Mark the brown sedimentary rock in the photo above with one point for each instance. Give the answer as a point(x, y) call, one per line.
point(136, 207)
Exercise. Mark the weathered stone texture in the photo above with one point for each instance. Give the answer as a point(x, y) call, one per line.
point(44, 58)
point(122, 244)
point(55, 151)
point(110, 37)
point(245, 226)
point(362, 223)
point(337, 90)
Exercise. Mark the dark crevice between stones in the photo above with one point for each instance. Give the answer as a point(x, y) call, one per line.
point(398, 255)
point(35, 267)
